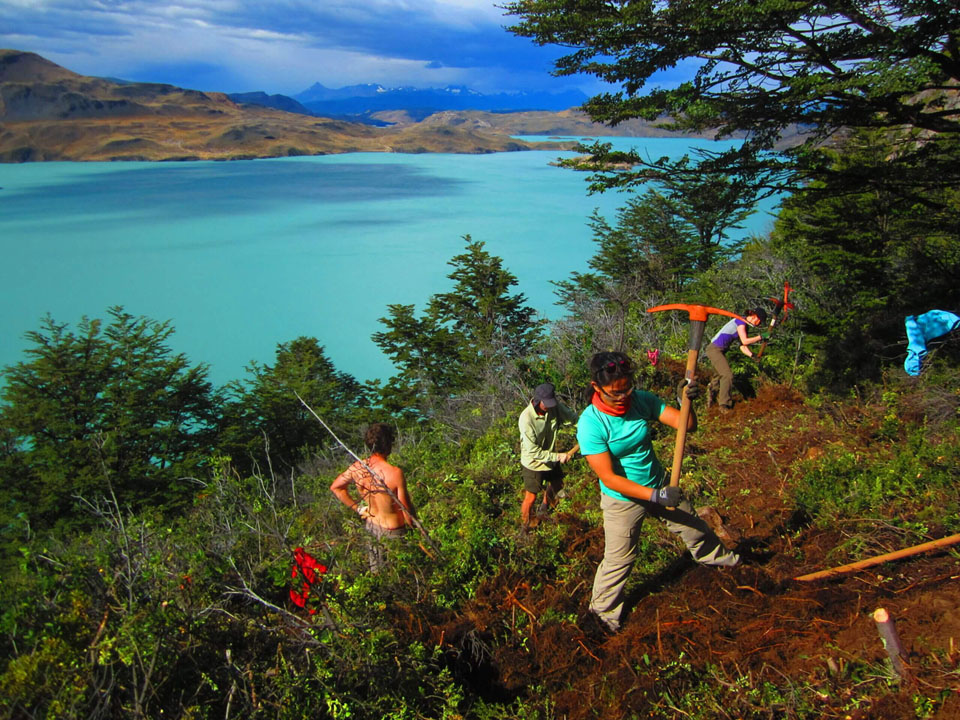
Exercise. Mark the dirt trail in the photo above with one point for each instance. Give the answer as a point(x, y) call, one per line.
point(738, 627)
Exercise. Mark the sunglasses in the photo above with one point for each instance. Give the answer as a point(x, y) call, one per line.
point(617, 395)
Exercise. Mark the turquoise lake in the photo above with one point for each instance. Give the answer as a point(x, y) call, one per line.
point(243, 255)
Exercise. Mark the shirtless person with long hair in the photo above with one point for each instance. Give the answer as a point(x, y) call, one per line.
point(384, 516)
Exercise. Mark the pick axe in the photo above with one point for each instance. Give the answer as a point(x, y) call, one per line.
point(698, 320)
point(779, 305)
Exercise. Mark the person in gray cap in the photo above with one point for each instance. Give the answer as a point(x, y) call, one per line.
point(539, 423)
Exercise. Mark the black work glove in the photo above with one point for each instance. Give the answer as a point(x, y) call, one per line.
point(668, 495)
point(692, 390)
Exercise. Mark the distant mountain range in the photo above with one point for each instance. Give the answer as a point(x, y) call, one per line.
point(360, 102)
point(277, 102)
point(50, 113)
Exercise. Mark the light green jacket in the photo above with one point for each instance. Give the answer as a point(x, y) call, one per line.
point(538, 435)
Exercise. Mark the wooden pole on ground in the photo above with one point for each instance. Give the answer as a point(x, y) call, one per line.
point(896, 555)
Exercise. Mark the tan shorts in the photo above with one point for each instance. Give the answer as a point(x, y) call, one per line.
point(375, 529)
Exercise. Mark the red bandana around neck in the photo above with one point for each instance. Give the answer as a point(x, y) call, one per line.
point(604, 408)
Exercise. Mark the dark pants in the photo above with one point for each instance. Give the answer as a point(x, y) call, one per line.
point(535, 480)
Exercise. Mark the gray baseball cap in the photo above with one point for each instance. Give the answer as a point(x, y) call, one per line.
point(545, 394)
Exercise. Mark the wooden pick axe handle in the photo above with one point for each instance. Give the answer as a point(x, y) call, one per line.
point(698, 321)
point(693, 350)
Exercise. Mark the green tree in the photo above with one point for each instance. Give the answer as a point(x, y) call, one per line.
point(666, 236)
point(661, 241)
point(477, 331)
point(266, 425)
point(766, 67)
point(425, 352)
point(108, 407)
point(648, 254)
point(650, 247)
point(491, 322)
point(865, 259)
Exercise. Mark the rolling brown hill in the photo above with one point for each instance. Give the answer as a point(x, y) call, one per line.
point(50, 113)
point(565, 123)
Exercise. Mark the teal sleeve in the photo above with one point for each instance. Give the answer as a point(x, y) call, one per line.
point(591, 434)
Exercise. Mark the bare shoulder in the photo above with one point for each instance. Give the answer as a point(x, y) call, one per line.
point(392, 474)
point(356, 471)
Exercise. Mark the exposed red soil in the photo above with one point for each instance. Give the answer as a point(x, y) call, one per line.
point(753, 622)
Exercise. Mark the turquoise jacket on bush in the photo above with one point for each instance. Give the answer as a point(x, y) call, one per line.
point(921, 329)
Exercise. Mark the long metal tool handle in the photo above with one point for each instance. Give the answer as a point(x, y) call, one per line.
point(693, 349)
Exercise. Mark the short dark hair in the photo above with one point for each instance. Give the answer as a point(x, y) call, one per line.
point(605, 367)
point(759, 312)
point(379, 438)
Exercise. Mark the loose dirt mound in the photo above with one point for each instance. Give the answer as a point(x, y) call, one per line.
point(695, 629)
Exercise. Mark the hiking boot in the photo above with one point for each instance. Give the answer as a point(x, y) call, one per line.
point(727, 535)
point(725, 409)
point(543, 512)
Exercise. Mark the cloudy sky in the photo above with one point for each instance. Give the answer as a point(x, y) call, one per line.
point(284, 46)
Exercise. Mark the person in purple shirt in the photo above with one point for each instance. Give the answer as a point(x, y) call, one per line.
point(734, 331)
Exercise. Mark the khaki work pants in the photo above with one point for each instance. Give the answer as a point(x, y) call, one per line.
point(621, 530)
point(719, 361)
point(376, 551)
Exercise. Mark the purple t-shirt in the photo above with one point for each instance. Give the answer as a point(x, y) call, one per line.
point(728, 333)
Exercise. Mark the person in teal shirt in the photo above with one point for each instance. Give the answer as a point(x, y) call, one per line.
point(615, 436)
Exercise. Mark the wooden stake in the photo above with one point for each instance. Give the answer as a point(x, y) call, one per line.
point(891, 641)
